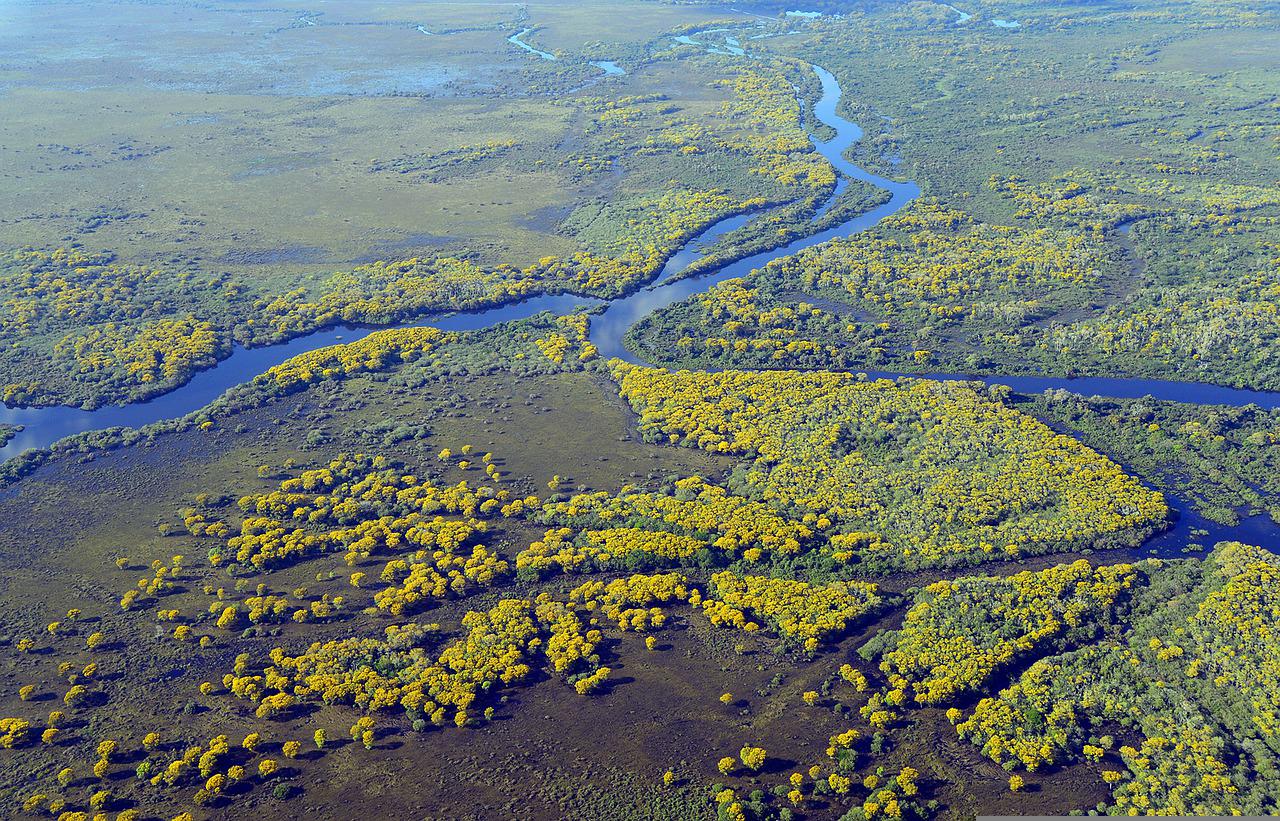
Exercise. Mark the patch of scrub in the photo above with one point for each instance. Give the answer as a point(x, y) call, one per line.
point(199, 119)
point(270, 166)
point(731, 46)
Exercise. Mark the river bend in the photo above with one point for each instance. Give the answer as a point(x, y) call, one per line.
point(44, 426)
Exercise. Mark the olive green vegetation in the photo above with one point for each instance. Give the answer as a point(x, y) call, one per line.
point(183, 215)
point(865, 301)
point(1222, 459)
point(550, 772)
point(1081, 122)
point(1099, 200)
point(1167, 696)
point(481, 173)
point(7, 432)
point(127, 494)
point(499, 390)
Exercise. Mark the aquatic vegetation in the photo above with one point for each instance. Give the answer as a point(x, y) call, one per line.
point(765, 103)
point(761, 121)
point(373, 353)
point(575, 548)
point(937, 260)
point(1231, 630)
point(163, 351)
point(110, 325)
point(572, 340)
point(852, 302)
point(1221, 332)
point(84, 327)
point(1221, 459)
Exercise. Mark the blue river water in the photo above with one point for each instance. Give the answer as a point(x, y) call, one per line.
point(515, 40)
point(609, 327)
point(44, 426)
point(607, 66)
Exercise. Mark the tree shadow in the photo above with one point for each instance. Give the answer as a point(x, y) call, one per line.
point(773, 766)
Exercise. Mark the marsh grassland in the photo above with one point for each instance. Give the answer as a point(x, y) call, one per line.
point(491, 573)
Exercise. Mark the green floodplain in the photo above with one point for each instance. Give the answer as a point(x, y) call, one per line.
point(486, 570)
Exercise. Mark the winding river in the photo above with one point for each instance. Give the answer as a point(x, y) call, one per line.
point(516, 41)
point(608, 329)
point(44, 426)
point(607, 66)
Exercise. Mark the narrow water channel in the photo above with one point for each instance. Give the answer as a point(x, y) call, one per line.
point(44, 426)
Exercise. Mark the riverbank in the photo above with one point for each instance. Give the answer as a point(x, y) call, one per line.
point(42, 427)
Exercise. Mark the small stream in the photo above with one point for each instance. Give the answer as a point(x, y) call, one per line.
point(609, 67)
point(44, 426)
point(515, 40)
point(609, 327)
